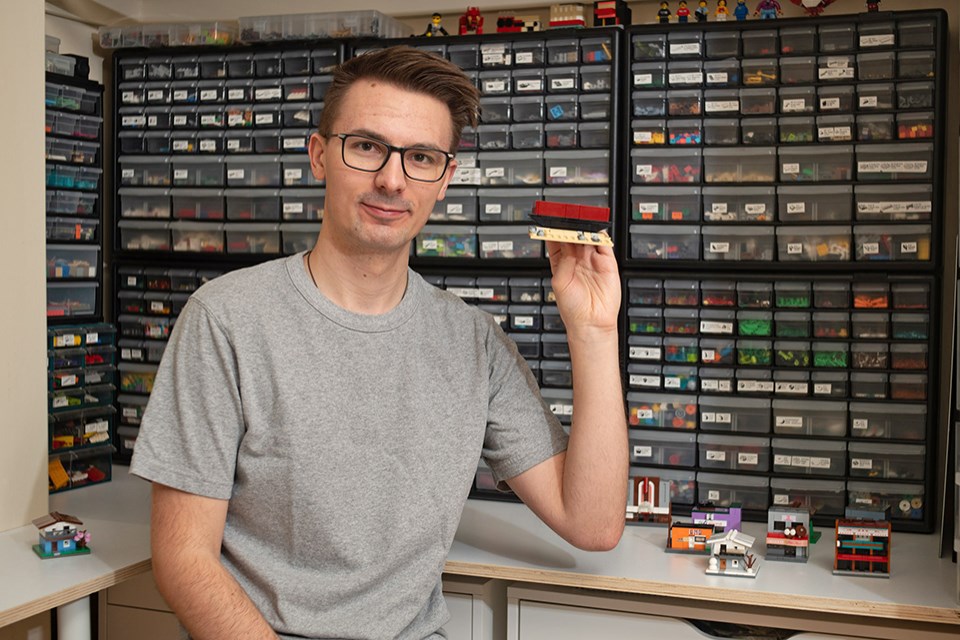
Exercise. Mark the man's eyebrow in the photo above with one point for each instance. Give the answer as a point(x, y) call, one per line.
point(377, 136)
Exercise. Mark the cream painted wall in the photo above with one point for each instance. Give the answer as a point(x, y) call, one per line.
point(23, 378)
point(76, 38)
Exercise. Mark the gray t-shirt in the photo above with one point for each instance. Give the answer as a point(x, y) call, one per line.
point(345, 443)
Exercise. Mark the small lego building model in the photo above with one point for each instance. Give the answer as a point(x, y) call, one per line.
point(471, 22)
point(663, 16)
point(60, 536)
point(686, 537)
point(788, 534)
point(435, 28)
point(564, 16)
point(611, 12)
point(722, 518)
point(740, 12)
point(730, 555)
point(517, 24)
point(863, 544)
point(701, 12)
point(578, 224)
point(683, 14)
point(768, 10)
point(649, 501)
point(721, 11)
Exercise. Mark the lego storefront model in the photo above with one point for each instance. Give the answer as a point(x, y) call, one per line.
point(567, 15)
point(723, 519)
point(649, 502)
point(611, 12)
point(686, 537)
point(60, 535)
point(574, 223)
point(517, 24)
point(471, 22)
point(863, 544)
point(730, 555)
point(788, 534)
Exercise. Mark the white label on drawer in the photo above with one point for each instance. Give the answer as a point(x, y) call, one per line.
point(179, 121)
point(748, 458)
point(156, 306)
point(212, 94)
point(484, 294)
point(493, 209)
point(644, 353)
point(68, 381)
point(430, 244)
point(789, 421)
point(293, 207)
point(641, 137)
point(794, 248)
point(648, 207)
point(716, 385)
point(708, 417)
point(724, 418)
point(60, 402)
point(870, 248)
point(505, 245)
point(781, 460)
point(680, 48)
point(523, 321)
point(133, 354)
point(494, 86)
point(877, 41)
point(718, 207)
point(924, 206)
point(273, 93)
point(837, 62)
point(719, 247)
point(155, 332)
point(455, 208)
point(836, 73)
point(716, 456)
point(908, 247)
point(644, 381)
point(860, 423)
point(708, 355)
point(558, 172)
point(462, 292)
point(233, 144)
point(236, 174)
point(794, 104)
point(686, 78)
point(234, 94)
point(755, 208)
point(523, 57)
point(640, 79)
point(819, 463)
point(208, 119)
point(796, 207)
point(127, 173)
point(180, 94)
point(707, 326)
point(791, 167)
point(644, 169)
point(100, 426)
point(791, 387)
point(834, 133)
point(722, 105)
point(294, 143)
point(781, 499)
point(747, 385)
point(713, 494)
point(292, 174)
point(829, 103)
point(671, 383)
point(799, 461)
point(131, 281)
point(493, 57)
point(180, 145)
point(152, 121)
point(208, 145)
point(529, 85)
point(92, 338)
point(263, 118)
point(861, 463)
point(466, 162)
point(128, 96)
point(562, 409)
point(562, 83)
point(868, 101)
point(642, 452)
point(128, 412)
point(493, 172)
point(645, 414)
point(493, 246)
point(717, 77)
point(823, 388)
point(908, 166)
point(133, 121)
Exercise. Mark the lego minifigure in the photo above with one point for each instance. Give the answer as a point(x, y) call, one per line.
point(721, 12)
point(701, 12)
point(873, 5)
point(471, 22)
point(663, 16)
point(768, 9)
point(740, 12)
point(683, 14)
point(435, 28)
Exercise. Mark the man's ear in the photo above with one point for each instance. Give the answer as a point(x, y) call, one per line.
point(318, 156)
point(447, 177)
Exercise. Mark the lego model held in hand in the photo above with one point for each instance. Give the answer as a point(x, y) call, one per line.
point(574, 223)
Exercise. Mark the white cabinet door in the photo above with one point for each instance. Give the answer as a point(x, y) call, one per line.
point(530, 620)
point(460, 626)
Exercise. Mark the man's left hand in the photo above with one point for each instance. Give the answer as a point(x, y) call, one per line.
point(586, 282)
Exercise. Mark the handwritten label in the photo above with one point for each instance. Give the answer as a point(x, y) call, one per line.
point(272, 93)
point(717, 77)
point(686, 78)
point(790, 167)
point(642, 79)
point(523, 57)
point(793, 105)
point(684, 48)
point(893, 166)
point(455, 208)
point(883, 40)
point(235, 94)
point(713, 106)
point(562, 83)
point(868, 102)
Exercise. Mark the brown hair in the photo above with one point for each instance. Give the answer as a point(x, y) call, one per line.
point(410, 69)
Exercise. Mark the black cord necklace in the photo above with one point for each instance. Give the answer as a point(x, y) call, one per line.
point(310, 269)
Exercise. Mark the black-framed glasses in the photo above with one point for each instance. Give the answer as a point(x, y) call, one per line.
point(363, 153)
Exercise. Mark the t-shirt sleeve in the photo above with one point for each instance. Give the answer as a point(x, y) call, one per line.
point(193, 424)
point(521, 430)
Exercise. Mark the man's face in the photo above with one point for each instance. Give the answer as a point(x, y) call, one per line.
point(382, 211)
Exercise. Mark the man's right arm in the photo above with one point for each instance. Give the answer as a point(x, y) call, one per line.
point(186, 533)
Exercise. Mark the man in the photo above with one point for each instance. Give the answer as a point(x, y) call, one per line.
point(317, 420)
